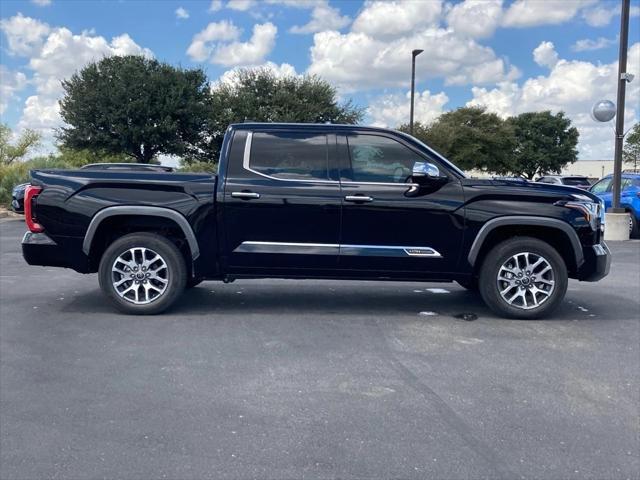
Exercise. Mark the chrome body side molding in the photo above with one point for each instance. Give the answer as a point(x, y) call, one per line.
point(335, 249)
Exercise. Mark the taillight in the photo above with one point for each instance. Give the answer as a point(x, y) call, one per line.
point(30, 193)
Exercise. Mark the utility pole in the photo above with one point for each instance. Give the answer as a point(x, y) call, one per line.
point(622, 85)
point(414, 54)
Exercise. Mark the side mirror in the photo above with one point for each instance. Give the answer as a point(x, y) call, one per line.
point(425, 172)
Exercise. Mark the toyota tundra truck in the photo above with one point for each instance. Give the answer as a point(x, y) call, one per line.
point(319, 201)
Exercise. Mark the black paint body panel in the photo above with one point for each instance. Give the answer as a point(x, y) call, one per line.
point(445, 217)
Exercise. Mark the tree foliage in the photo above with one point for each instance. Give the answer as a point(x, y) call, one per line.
point(136, 106)
point(470, 137)
point(261, 95)
point(631, 152)
point(28, 141)
point(545, 143)
point(527, 145)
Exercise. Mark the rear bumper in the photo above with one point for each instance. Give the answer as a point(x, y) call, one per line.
point(39, 249)
point(597, 262)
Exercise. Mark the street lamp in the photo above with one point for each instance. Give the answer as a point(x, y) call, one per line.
point(414, 54)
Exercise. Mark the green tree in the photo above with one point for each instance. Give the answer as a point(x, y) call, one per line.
point(470, 137)
point(262, 96)
point(136, 106)
point(25, 143)
point(545, 143)
point(631, 151)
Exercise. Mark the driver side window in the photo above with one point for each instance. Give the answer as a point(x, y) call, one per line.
point(380, 159)
point(602, 186)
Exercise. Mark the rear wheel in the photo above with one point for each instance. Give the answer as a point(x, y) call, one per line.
point(523, 277)
point(142, 273)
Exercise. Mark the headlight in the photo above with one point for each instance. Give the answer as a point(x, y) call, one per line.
point(591, 211)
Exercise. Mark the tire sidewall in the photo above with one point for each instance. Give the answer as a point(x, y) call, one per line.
point(496, 258)
point(176, 271)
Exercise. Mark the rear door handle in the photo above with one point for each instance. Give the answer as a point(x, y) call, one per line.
point(245, 195)
point(358, 198)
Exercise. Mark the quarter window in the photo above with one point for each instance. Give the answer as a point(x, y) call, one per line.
point(290, 155)
point(380, 159)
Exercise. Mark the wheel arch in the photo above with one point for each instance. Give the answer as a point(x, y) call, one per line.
point(141, 211)
point(565, 238)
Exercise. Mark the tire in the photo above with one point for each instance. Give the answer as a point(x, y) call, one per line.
point(166, 275)
point(634, 227)
point(470, 284)
point(533, 295)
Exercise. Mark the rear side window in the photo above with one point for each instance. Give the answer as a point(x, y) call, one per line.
point(380, 159)
point(290, 155)
point(576, 181)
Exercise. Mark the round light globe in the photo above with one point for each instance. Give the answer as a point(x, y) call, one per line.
point(603, 111)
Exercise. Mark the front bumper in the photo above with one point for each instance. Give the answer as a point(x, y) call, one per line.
point(597, 263)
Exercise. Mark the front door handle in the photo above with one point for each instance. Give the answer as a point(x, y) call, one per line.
point(358, 198)
point(245, 195)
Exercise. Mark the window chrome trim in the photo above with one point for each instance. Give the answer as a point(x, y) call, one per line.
point(247, 157)
point(292, 248)
point(387, 184)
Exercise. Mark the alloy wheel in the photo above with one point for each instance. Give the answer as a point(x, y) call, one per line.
point(526, 280)
point(139, 275)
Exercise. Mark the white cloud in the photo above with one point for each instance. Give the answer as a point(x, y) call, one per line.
point(55, 54)
point(204, 41)
point(357, 60)
point(572, 87)
point(388, 19)
point(600, 16)
point(529, 13)
point(182, 13)
point(215, 6)
point(41, 3)
point(475, 18)
point(25, 35)
point(254, 51)
point(323, 17)
point(10, 83)
point(393, 110)
point(241, 5)
point(588, 44)
point(545, 55)
point(219, 43)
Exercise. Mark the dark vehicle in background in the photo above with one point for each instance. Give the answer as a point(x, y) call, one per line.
point(567, 180)
point(629, 197)
point(17, 197)
point(316, 201)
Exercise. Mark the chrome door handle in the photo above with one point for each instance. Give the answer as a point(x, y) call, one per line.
point(245, 195)
point(358, 198)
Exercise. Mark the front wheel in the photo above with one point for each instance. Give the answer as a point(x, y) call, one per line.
point(142, 273)
point(523, 278)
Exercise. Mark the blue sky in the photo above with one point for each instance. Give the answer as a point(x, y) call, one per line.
point(511, 55)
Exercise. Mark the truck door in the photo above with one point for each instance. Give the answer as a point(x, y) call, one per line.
point(281, 202)
point(390, 225)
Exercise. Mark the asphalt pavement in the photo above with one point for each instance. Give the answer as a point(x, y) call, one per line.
point(315, 379)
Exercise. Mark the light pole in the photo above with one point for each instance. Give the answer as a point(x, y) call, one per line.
point(622, 84)
point(414, 54)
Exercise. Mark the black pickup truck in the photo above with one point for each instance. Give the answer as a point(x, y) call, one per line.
point(316, 201)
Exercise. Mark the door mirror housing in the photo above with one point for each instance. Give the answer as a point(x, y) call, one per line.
point(425, 172)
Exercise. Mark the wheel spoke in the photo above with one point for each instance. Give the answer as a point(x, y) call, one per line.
point(521, 285)
point(141, 267)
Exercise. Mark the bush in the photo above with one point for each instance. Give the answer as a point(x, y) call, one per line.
point(198, 167)
point(18, 172)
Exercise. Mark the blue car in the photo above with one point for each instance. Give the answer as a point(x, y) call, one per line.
point(629, 197)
